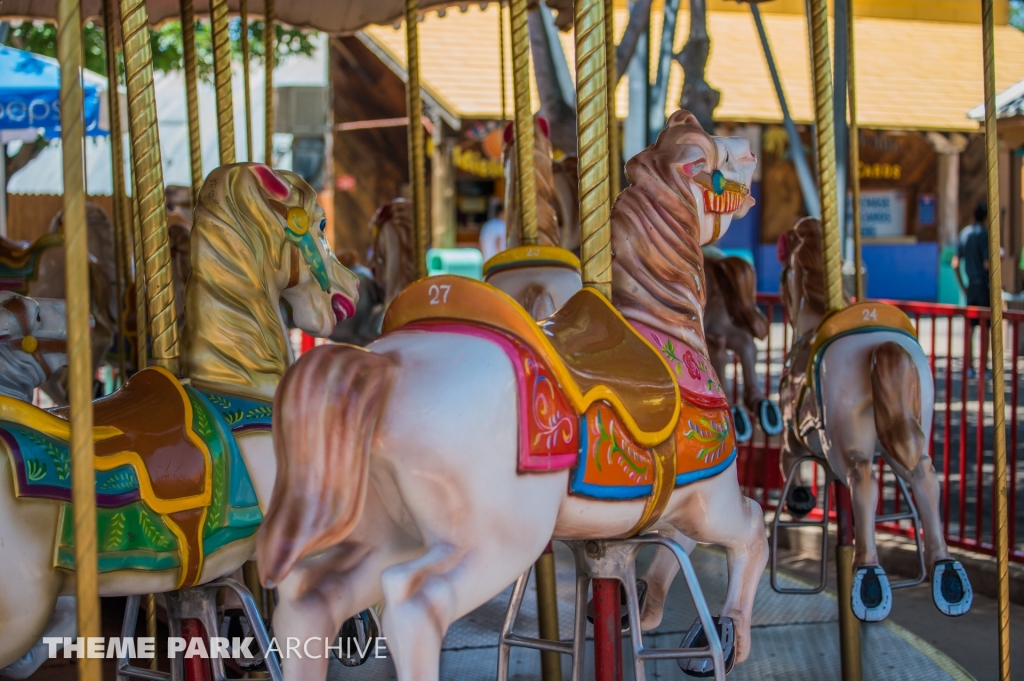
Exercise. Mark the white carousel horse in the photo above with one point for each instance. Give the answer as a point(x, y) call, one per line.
point(461, 440)
point(855, 379)
point(258, 239)
point(33, 344)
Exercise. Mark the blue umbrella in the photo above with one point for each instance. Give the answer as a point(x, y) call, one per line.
point(30, 95)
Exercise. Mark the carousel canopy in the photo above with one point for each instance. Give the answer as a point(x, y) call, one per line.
point(30, 97)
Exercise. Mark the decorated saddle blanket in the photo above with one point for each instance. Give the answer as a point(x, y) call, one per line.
point(171, 484)
point(591, 430)
point(19, 261)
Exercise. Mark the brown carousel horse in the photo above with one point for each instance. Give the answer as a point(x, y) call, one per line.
point(732, 320)
point(855, 379)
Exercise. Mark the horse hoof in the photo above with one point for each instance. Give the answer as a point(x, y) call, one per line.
point(770, 415)
point(800, 501)
point(742, 428)
point(696, 638)
point(357, 638)
point(641, 596)
point(871, 596)
point(951, 590)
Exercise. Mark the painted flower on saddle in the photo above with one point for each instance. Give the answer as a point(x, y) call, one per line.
point(692, 367)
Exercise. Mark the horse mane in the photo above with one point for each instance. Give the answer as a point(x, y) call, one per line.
point(179, 236)
point(736, 279)
point(544, 181)
point(566, 173)
point(237, 243)
point(803, 275)
point(657, 263)
point(393, 261)
point(100, 235)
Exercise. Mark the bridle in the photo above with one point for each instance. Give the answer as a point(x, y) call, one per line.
point(29, 344)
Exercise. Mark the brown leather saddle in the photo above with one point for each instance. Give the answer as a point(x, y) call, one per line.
point(591, 349)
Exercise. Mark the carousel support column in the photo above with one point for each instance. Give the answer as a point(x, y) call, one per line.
point(117, 164)
point(523, 118)
point(222, 80)
point(996, 329)
point(854, 153)
point(149, 184)
point(417, 146)
point(195, 145)
point(607, 630)
point(849, 625)
point(243, 8)
point(141, 318)
point(83, 480)
point(612, 79)
point(269, 45)
point(501, 62)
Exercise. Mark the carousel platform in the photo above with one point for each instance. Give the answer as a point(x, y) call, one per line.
point(795, 637)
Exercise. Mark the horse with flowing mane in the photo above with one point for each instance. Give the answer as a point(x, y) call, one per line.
point(184, 469)
point(732, 320)
point(855, 379)
point(604, 421)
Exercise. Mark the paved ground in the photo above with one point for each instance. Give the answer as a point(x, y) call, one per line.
point(795, 638)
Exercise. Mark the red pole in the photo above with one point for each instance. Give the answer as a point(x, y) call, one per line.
point(196, 668)
point(607, 631)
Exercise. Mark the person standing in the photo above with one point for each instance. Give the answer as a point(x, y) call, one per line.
point(972, 250)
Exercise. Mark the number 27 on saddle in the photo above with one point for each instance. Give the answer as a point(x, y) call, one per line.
point(633, 413)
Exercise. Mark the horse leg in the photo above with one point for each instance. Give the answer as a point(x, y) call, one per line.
point(742, 344)
point(714, 511)
point(659, 575)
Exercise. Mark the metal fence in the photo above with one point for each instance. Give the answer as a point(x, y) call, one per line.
point(960, 444)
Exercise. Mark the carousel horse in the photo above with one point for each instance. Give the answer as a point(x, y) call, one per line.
point(566, 175)
point(732, 320)
point(856, 379)
point(184, 469)
point(33, 343)
point(363, 327)
point(543, 276)
point(470, 435)
point(393, 261)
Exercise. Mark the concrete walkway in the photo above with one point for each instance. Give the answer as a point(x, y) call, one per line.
point(795, 638)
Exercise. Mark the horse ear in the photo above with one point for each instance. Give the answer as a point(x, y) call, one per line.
point(508, 134)
point(271, 183)
point(545, 126)
point(683, 117)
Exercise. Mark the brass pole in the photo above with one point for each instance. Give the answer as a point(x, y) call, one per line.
point(149, 183)
point(854, 152)
point(269, 45)
point(826, 147)
point(141, 321)
point(547, 615)
point(195, 144)
point(414, 106)
point(150, 604)
point(222, 80)
point(501, 57)
point(243, 9)
point(613, 118)
point(527, 194)
point(592, 132)
point(998, 385)
point(117, 171)
point(83, 476)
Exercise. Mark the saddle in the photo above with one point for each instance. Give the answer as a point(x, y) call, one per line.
point(593, 352)
point(19, 260)
point(531, 256)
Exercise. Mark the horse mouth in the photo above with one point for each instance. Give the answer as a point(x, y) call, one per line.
point(343, 307)
point(727, 202)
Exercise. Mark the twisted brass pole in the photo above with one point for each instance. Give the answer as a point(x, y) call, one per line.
point(222, 80)
point(592, 132)
point(149, 183)
point(83, 476)
point(414, 105)
point(117, 171)
point(243, 10)
point(826, 148)
point(501, 58)
point(269, 45)
point(141, 316)
point(612, 81)
point(854, 151)
point(998, 378)
point(527, 195)
point(195, 144)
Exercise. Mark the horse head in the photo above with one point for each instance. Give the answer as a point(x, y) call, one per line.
point(32, 343)
point(393, 261)
point(803, 276)
point(544, 183)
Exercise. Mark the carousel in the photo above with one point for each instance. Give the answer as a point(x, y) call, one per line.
point(354, 499)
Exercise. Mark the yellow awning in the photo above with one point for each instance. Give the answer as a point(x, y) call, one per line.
point(911, 74)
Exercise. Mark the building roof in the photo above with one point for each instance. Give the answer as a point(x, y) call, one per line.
point(1009, 102)
point(911, 74)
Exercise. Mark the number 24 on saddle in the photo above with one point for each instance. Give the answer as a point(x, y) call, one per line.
point(634, 415)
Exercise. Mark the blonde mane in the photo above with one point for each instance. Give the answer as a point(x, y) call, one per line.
point(393, 261)
point(234, 338)
point(544, 180)
point(657, 263)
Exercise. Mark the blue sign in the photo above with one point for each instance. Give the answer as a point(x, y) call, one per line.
point(30, 95)
point(926, 210)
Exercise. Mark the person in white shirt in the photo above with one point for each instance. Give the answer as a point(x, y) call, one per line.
point(492, 236)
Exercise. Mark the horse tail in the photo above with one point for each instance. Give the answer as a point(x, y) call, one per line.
point(738, 282)
point(538, 302)
point(896, 394)
point(326, 410)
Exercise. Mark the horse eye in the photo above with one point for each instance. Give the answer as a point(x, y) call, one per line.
point(323, 224)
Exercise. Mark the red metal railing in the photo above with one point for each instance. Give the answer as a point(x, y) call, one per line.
point(961, 437)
